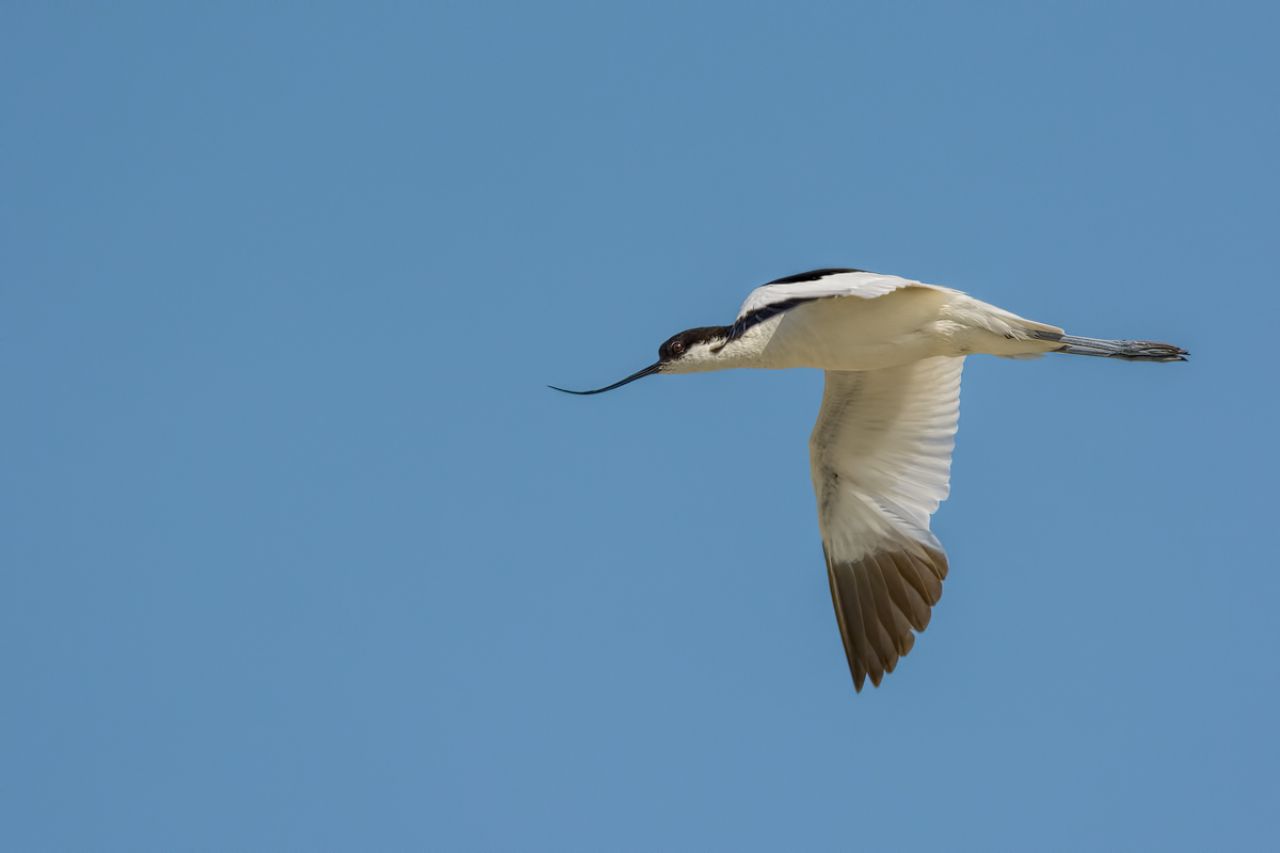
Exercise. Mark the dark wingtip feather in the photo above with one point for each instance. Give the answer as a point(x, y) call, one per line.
point(881, 600)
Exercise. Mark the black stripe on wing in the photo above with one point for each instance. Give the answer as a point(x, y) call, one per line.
point(812, 275)
point(758, 316)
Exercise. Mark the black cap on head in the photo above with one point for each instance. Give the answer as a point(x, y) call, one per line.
point(677, 345)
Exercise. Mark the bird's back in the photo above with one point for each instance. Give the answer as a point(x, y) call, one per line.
point(855, 333)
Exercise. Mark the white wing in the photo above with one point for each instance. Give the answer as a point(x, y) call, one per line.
point(881, 459)
point(823, 283)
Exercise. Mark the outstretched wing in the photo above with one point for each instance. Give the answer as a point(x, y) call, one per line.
point(881, 459)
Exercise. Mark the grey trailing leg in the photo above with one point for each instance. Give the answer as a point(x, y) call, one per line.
point(1128, 350)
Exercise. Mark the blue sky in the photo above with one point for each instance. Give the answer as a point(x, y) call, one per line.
point(299, 553)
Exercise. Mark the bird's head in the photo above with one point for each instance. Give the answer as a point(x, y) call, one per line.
point(687, 352)
point(693, 350)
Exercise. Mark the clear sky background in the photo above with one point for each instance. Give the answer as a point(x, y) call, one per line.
point(298, 552)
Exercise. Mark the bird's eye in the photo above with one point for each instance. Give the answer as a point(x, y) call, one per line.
point(677, 347)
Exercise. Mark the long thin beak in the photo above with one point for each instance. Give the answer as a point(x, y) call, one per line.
point(639, 374)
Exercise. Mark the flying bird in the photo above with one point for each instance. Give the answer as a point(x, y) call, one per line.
point(880, 453)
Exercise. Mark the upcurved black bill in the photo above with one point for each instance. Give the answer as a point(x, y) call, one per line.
point(639, 374)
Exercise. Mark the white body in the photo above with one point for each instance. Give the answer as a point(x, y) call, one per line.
point(868, 321)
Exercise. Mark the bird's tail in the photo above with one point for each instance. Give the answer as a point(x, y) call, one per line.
point(1128, 350)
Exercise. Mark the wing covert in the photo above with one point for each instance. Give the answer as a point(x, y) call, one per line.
point(823, 283)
